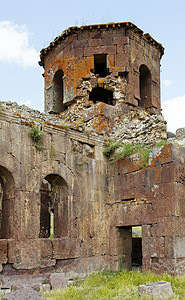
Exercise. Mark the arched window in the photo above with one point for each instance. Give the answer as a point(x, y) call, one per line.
point(145, 86)
point(58, 92)
point(6, 203)
point(99, 94)
point(54, 207)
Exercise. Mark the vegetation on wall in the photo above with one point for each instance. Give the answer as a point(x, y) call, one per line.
point(127, 149)
point(36, 135)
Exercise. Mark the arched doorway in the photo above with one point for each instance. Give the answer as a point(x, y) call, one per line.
point(6, 203)
point(145, 86)
point(99, 94)
point(58, 92)
point(53, 207)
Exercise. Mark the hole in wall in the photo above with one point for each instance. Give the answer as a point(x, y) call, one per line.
point(99, 94)
point(58, 92)
point(145, 86)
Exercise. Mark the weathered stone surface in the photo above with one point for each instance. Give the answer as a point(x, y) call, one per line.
point(23, 283)
point(58, 281)
point(23, 294)
point(158, 290)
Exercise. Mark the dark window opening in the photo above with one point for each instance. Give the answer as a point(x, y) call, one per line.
point(53, 207)
point(101, 95)
point(145, 86)
point(6, 203)
point(130, 247)
point(100, 64)
point(58, 92)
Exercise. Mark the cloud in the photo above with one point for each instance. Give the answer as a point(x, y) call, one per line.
point(173, 112)
point(167, 82)
point(14, 45)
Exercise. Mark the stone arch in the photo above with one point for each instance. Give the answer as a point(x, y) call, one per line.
point(54, 205)
point(144, 86)
point(58, 92)
point(6, 203)
point(99, 94)
point(38, 175)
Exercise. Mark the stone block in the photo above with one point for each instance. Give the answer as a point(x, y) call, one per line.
point(153, 247)
point(163, 227)
point(65, 248)
point(169, 247)
point(157, 290)
point(58, 281)
point(179, 247)
point(167, 173)
point(24, 294)
point(20, 284)
point(3, 251)
point(46, 248)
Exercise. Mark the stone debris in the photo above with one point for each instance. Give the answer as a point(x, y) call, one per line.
point(26, 293)
point(19, 284)
point(158, 290)
point(136, 127)
point(58, 281)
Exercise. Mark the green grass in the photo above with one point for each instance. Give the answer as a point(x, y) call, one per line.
point(115, 286)
point(161, 143)
point(110, 146)
point(127, 149)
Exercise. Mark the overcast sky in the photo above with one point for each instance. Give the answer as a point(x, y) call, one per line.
point(28, 26)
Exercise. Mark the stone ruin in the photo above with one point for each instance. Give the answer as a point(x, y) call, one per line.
point(63, 205)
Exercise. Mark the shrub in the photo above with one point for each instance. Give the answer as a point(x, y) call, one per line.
point(36, 134)
point(124, 152)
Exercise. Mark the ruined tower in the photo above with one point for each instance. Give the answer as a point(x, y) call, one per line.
point(116, 60)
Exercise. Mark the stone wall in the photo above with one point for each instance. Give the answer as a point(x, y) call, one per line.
point(95, 203)
point(66, 157)
point(154, 199)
